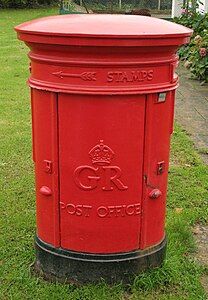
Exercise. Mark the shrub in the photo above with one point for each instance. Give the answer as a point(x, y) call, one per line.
point(26, 3)
point(151, 4)
point(195, 54)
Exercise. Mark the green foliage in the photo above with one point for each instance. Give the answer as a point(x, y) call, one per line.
point(196, 53)
point(26, 3)
point(127, 4)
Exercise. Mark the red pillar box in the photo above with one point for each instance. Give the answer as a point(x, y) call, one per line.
point(102, 91)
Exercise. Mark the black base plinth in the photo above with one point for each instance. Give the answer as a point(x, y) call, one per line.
point(80, 268)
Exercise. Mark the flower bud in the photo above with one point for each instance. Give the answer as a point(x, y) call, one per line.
point(198, 38)
point(203, 52)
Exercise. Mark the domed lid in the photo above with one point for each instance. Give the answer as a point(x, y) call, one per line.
point(102, 26)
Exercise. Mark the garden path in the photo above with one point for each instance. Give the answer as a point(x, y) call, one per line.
point(192, 110)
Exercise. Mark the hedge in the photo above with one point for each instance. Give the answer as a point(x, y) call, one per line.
point(26, 3)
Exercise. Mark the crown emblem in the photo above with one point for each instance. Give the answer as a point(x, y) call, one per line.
point(101, 154)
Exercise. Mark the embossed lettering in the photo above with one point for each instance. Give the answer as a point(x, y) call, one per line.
point(118, 76)
point(110, 76)
point(130, 76)
point(135, 76)
point(87, 177)
point(137, 209)
point(76, 210)
point(87, 209)
point(150, 75)
point(92, 179)
point(71, 209)
point(124, 77)
point(112, 175)
point(102, 211)
point(144, 74)
point(110, 211)
point(130, 210)
point(119, 210)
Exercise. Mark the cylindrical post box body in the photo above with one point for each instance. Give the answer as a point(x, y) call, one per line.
point(102, 92)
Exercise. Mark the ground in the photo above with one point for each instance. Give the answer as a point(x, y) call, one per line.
point(182, 275)
point(192, 114)
point(192, 110)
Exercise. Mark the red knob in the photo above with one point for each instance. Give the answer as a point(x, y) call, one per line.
point(154, 194)
point(44, 190)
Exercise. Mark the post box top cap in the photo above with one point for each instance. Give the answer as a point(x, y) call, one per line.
point(102, 26)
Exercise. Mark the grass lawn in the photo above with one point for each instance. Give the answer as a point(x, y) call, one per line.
point(179, 278)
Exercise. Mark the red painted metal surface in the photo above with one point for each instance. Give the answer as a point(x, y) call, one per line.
point(158, 129)
point(101, 160)
point(103, 90)
point(45, 154)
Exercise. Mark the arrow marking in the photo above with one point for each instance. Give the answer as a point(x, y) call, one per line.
point(86, 76)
